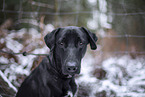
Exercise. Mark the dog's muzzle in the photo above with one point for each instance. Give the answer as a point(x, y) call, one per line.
point(72, 68)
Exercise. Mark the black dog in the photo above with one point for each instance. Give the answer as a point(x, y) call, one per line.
point(54, 77)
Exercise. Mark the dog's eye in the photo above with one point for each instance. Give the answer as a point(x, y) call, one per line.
point(80, 43)
point(61, 43)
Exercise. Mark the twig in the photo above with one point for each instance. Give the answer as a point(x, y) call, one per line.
point(23, 53)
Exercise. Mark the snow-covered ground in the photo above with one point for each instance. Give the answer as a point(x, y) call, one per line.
point(7, 81)
point(124, 77)
point(31, 42)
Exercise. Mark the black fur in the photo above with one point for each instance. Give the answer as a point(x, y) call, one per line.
point(54, 77)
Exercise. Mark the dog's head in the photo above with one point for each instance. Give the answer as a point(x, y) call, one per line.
point(69, 45)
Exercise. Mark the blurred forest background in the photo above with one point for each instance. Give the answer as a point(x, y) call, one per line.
point(116, 68)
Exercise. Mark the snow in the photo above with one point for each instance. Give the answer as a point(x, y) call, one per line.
point(99, 18)
point(4, 60)
point(130, 73)
point(2, 40)
point(24, 63)
point(41, 50)
point(103, 6)
point(6, 80)
point(48, 28)
point(92, 24)
point(86, 69)
point(92, 2)
point(34, 34)
point(125, 76)
point(12, 44)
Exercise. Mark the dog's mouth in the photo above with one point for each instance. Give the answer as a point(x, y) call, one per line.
point(69, 76)
point(70, 73)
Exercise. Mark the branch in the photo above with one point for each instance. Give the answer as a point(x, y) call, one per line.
point(41, 4)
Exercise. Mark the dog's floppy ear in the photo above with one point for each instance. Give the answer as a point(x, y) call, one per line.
point(50, 38)
point(92, 38)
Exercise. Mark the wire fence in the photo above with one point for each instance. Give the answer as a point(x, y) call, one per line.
point(20, 12)
point(23, 53)
point(70, 13)
point(78, 13)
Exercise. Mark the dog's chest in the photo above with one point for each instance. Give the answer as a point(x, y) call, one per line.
point(62, 88)
point(69, 94)
point(67, 90)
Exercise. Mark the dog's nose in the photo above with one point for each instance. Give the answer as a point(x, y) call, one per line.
point(71, 67)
